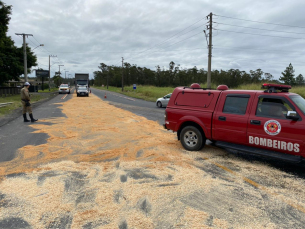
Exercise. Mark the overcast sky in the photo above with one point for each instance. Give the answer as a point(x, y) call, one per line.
point(84, 33)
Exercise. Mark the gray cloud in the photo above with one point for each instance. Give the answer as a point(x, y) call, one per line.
point(84, 34)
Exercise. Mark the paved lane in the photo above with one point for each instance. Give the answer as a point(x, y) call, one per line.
point(17, 133)
point(140, 107)
point(104, 167)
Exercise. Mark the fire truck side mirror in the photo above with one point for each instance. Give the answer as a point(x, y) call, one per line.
point(292, 115)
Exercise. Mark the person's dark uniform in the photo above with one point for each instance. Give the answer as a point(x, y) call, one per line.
point(25, 100)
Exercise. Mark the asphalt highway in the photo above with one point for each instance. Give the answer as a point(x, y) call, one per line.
point(17, 133)
point(87, 164)
point(140, 107)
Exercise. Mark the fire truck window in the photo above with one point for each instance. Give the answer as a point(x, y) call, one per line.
point(273, 108)
point(299, 101)
point(235, 105)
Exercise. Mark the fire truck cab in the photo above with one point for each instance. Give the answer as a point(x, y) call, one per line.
point(269, 123)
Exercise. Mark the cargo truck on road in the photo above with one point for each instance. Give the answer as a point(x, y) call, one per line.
point(81, 80)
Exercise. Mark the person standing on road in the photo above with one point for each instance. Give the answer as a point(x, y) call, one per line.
point(25, 100)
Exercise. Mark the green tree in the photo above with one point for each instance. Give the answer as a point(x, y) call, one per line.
point(268, 76)
point(288, 75)
point(256, 75)
point(100, 77)
point(158, 76)
point(57, 79)
point(245, 77)
point(299, 80)
point(98, 80)
point(172, 73)
point(11, 57)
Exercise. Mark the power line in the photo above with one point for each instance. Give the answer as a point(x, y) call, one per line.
point(170, 37)
point(268, 50)
point(184, 39)
point(175, 34)
point(183, 50)
point(36, 45)
point(257, 28)
point(263, 60)
point(260, 34)
point(98, 52)
point(36, 40)
point(43, 46)
point(184, 33)
point(171, 44)
point(31, 42)
point(259, 21)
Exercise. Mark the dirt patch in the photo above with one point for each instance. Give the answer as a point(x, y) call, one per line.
point(104, 167)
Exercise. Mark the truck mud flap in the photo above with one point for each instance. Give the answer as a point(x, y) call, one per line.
point(259, 152)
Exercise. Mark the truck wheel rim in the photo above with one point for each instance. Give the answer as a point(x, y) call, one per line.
point(190, 138)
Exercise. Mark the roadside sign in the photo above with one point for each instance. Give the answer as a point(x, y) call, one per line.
point(134, 87)
point(42, 73)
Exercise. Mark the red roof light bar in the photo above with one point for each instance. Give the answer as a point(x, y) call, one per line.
point(276, 86)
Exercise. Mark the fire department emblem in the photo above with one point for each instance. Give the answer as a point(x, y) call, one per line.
point(272, 127)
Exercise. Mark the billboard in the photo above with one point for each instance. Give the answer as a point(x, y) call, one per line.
point(42, 73)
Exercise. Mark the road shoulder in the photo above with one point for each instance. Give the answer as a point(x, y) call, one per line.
point(17, 112)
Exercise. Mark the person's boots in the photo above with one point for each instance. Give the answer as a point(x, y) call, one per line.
point(25, 118)
point(32, 119)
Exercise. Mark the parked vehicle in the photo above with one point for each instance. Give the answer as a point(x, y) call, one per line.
point(64, 88)
point(266, 123)
point(81, 79)
point(82, 91)
point(162, 102)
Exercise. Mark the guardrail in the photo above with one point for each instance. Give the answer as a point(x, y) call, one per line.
point(7, 91)
point(5, 104)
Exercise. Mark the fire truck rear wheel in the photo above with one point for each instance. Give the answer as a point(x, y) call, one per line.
point(191, 138)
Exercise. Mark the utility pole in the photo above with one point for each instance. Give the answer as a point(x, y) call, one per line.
point(210, 52)
point(50, 70)
point(59, 68)
point(122, 74)
point(109, 68)
point(65, 74)
point(24, 55)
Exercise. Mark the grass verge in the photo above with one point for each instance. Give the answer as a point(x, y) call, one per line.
point(148, 93)
point(294, 89)
point(16, 102)
point(152, 93)
point(55, 89)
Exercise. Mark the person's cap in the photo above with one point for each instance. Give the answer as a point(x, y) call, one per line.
point(27, 84)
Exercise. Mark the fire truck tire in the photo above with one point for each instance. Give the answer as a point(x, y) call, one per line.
point(191, 138)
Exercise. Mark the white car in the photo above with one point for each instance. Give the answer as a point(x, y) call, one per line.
point(162, 102)
point(64, 88)
point(82, 90)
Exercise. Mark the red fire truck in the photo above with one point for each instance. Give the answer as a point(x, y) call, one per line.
point(269, 123)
